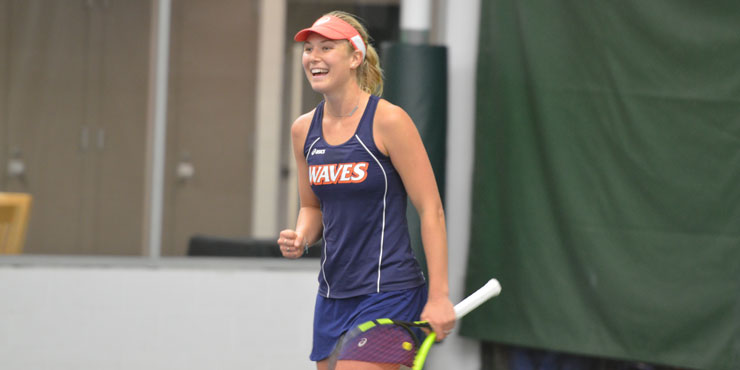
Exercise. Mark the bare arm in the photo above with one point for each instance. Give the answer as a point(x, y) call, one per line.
point(397, 136)
point(308, 226)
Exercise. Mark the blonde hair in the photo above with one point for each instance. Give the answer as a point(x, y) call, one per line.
point(369, 73)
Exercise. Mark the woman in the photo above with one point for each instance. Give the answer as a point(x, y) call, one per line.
point(358, 156)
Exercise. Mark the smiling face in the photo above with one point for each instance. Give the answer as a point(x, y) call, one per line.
point(329, 64)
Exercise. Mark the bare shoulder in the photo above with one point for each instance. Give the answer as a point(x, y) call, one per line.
point(300, 126)
point(392, 127)
point(388, 113)
point(390, 117)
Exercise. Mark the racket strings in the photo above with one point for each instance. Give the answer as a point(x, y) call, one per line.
point(388, 343)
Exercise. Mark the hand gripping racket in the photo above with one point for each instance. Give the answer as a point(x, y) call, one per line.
point(393, 342)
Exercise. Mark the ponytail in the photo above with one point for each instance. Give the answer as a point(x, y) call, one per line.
point(369, 73)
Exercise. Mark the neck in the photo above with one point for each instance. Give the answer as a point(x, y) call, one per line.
point(344, 104)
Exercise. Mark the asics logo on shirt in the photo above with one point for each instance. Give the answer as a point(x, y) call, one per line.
point(318, 151)
point(337, 173)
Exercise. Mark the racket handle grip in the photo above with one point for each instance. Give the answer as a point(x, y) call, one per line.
point(486, 292)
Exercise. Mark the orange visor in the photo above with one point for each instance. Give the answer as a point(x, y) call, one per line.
point(334, 28)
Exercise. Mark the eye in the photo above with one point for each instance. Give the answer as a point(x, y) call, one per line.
point(326, 48)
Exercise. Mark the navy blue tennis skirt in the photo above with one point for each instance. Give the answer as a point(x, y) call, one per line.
point(334, 317)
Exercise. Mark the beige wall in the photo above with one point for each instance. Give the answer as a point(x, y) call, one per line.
point(75, 83)
point(211, 120)
point(74, 116)
point(173, 316)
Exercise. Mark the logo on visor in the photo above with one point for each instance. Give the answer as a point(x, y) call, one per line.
point(322, 21)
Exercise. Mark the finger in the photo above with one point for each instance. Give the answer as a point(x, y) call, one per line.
point(287, 251)
point(443, 329)
point(294, 254)
point(440, 333)
point(447, 332)
point(286, 238)
point(437, 329)
point(298, 241)
point(288, 234)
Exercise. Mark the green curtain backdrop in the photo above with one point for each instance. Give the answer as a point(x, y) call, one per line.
point(607, 179)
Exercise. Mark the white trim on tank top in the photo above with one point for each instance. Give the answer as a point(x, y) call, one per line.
point(385, 194)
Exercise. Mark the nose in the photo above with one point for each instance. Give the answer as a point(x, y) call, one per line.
point(312, 55)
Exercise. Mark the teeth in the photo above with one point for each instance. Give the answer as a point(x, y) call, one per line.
point(318, 70)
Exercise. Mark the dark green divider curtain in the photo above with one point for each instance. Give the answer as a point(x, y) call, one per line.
point(416, 80)
point(607, 179)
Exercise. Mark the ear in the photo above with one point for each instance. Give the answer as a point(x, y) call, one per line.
point(356, 59)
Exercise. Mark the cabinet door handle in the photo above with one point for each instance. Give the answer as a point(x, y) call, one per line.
point(16, 168)
point(185, 171)
point(16, 165)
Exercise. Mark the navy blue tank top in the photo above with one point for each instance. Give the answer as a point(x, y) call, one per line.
point(363, 202)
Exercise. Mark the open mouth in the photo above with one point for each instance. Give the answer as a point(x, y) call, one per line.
point(316, 72)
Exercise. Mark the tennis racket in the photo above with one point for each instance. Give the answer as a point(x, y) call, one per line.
point(392, 342)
